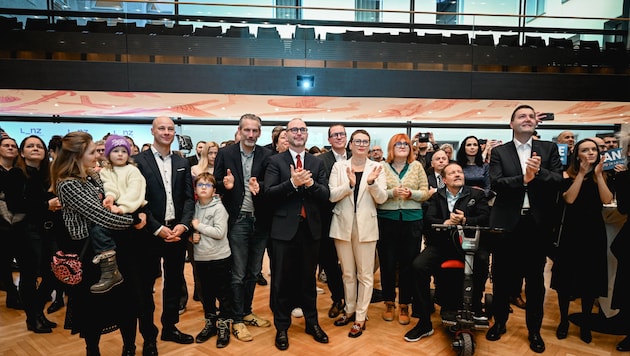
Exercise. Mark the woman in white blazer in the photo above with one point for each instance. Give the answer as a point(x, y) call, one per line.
point(357, 185)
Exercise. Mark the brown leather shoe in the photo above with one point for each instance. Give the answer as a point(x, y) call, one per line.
point(518, 301)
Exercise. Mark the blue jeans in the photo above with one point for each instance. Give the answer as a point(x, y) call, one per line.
point(248, 247)
point(102, 239)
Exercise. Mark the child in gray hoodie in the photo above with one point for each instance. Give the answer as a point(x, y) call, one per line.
point(213, 260)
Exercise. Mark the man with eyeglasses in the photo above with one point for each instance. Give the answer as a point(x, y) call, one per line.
point(376, 153)
point(296, 188)
point(328, 260)
point(239, 170)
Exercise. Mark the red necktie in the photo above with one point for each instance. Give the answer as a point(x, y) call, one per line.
point(298, 163)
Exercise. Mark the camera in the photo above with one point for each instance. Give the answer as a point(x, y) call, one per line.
point(483, 141)
point(422, 137)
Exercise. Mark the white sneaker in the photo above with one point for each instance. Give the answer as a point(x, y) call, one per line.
point(297, 313)
point(319, 290)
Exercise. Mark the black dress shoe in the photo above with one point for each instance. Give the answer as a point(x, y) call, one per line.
point(176, 336)
point(563, 330)
point(536, 343)
point(55, 306)
point(260, 280)
point(318, 334)
point(129, 350)
point(345, 319)
point(624, 345)
point(149, 349)
point(46, 322)
point(282, 340)
point(37, 327)
point(336, 309)
point(518, 301)
point(495, 332)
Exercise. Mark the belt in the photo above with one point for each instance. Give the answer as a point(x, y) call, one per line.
point(526, 211)
point(246, 214)
point(170, 222)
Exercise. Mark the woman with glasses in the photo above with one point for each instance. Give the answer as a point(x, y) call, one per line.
point(206, 159)
point(357, 186)
point(400, 224)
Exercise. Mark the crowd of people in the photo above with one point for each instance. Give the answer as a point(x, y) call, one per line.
point(346, 211)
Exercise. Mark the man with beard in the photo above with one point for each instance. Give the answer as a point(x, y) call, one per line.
point(239, 171)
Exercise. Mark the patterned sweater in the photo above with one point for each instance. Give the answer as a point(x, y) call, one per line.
point(82, 202)
point(415, 179)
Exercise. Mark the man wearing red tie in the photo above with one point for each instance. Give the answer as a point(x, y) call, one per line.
point(296, 188)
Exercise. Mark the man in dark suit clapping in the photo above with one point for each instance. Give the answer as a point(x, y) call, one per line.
point(526, 175)
point(296, 187)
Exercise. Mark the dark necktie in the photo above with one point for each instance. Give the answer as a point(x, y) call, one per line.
point(298, 164)
point(440, 183)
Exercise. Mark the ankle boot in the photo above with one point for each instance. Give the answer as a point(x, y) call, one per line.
point(388, 314)
point(57, 304)
point(35, 325)
point(110, 275)
point(46, 322)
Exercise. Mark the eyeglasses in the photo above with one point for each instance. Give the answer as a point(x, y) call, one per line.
point(205, 185)
point(100, 150)
point(361, 142)
point(295, 130)
point(337, 135)
point(401, 144)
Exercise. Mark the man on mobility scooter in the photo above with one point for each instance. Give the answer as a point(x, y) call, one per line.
point(455, 204)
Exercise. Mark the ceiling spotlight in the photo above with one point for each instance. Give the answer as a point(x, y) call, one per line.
point(306, 81)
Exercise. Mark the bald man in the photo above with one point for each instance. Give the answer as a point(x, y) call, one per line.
point(567, 137)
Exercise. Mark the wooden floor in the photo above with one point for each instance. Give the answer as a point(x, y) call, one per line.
point(380, 338)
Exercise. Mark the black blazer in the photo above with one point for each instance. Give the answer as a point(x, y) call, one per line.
point(181, 189)
point(286, 202)
point(472, 202)
point(506, 178)
point(230, 158)
point(329, 160)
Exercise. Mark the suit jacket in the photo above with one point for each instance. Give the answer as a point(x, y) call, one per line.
point(471, 201)
point(329, 160)
point(431, 178)
point(369, 197)
point(286, 201)
point(230, 158)
point(181, 189)
point(506, 178)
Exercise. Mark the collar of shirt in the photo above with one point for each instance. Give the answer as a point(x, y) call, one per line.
point(452, 199)
point(158, 154)
point(240, 147)
point(339, 157)
point(519, 144)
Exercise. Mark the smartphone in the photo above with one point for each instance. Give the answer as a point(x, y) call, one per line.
point(548, 116)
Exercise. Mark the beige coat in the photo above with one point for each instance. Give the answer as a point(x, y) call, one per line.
point(369, 197)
